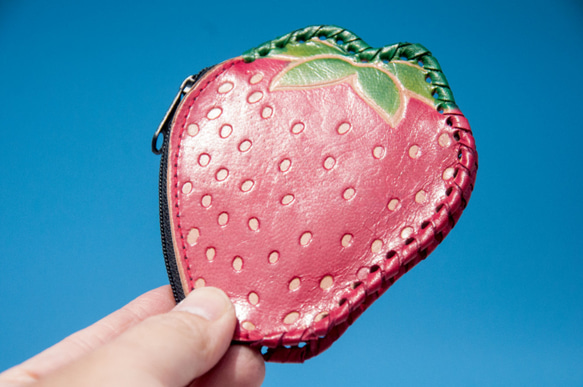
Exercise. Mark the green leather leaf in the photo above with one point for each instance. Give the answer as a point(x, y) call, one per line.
point(306, 49)
point(380, 88)
point(413, 78)
point(316, 72)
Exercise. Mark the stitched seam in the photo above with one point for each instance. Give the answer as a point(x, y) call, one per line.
point(177, 162)
point(408, 258)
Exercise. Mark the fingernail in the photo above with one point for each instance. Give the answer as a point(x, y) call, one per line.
point(208, 303)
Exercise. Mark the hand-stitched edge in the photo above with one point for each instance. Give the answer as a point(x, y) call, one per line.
point(351, 45)
point(299, 345)
point(174, 166)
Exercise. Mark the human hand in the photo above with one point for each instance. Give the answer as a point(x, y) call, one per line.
point(150, 342)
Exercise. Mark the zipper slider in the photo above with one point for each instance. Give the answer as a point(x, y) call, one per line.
point(186, 86)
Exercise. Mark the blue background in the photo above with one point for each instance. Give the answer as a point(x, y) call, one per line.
point(83, 86)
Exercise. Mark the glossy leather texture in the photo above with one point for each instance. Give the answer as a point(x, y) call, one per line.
point(305, 177)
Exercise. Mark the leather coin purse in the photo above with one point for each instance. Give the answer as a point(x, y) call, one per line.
point(305, 177)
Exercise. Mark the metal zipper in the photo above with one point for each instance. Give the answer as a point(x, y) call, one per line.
point(165, 229)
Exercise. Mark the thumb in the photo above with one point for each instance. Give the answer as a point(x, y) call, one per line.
point(168, 349)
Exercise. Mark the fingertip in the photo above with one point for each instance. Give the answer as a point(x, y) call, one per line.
point(208, 302)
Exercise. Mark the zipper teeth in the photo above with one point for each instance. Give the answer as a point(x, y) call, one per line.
point(165, 228)
point(169, 257)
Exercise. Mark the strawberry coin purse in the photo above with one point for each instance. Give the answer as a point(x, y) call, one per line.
point(305, 177)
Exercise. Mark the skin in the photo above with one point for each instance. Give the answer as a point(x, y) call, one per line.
point(150, 342)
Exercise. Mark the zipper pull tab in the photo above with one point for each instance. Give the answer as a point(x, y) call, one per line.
point(164, 125)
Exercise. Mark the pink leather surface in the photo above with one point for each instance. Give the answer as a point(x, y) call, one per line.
point(375, 200)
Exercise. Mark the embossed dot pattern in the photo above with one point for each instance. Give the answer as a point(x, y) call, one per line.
point(273, 257)
point(255, 79)
point(225, 87)
point(238, 263)
point(287, 199)
point(378, 152)
point(193, 129)
point(247, 185)
point(259, 206)
point(349, 193)
point(253, 298)
point(267, 112)
point(253, 224)
point(223, 219)
point(295, 283)
point(215, 113)
point(226, 131)
point(193, 235)
point(204, 159)
point(222, 174)
point(306, 238)
point(199, 283)
point(187, 188)
point(346, 240)
point(329, 162)
point(285, 165)
point(245, 145)
point(298, 128)
point(206, 201)
point(327, 282)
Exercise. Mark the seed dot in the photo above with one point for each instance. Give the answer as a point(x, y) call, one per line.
point(211, 252)
point(285, 165)
point(348, 193)
point(256, 78)
point(378, 152)
point(287, 199)
point(248, 325)
point(393, 203)
point(346, 240)
point(267, 112)
point(253, 298)
point(204, 159)
point(306, 238)
point(247, 185)
point(420, 197)
point(343, 128)
point(406, 232)
point(329, 163)
point(193, 236)
point(444, 140)
point(245, 145)
point(222, 174)
point(448, 173)
point(321, 316)
point(223, 219)
point(199, 283)
point(206, 201)
point(414, 152)
point(226, 131)
point(273, 257)
point(255, 97)
point(291, 318)
point(298, 128)
point(192, 129)
point(376, 246)
point(294, 283)
point(238, 263)
point(214, 113)
point(187, 187)
point(326, 282)
point(253, 224)
point(226, 87)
